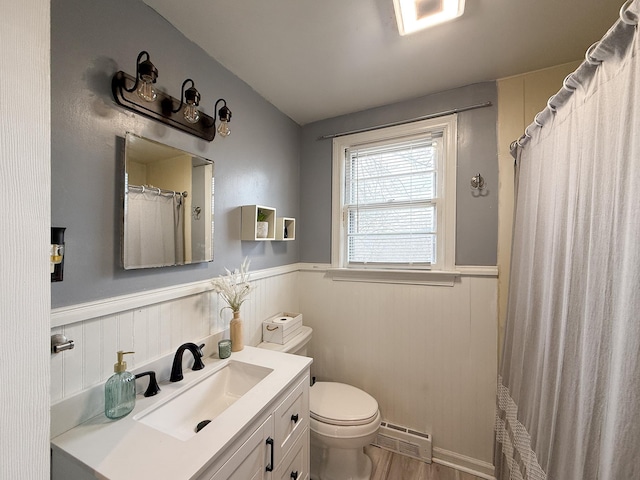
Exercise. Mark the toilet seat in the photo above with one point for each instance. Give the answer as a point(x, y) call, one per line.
point(340, 404)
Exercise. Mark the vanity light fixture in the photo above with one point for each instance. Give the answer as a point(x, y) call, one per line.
point(415, 15)
point(139, 95)
point(224, 114)
point(192, 99)
point(146, 76)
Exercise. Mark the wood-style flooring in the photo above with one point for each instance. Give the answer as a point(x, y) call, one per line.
point(392, 466)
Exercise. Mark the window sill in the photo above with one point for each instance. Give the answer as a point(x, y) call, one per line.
point(407, 277)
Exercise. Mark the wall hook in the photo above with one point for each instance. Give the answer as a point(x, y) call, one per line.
point(477, 182)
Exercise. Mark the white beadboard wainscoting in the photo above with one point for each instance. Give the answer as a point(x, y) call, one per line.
point(152, 324)
point(427, 353)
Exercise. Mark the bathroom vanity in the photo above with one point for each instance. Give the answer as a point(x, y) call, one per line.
point(252, 412)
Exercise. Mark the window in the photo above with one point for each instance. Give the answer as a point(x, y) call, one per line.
point(394, 197)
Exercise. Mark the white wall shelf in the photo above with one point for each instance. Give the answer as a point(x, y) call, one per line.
point(285, 228)
point(250, 222)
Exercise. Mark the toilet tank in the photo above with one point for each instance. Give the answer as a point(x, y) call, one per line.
point(297, 345)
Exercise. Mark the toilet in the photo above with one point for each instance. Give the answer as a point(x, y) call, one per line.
point(343, 420)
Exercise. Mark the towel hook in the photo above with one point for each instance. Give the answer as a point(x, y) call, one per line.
point(477, 182)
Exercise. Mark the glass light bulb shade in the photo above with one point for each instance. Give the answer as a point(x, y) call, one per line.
point(191, 113)
point(146, 91)
point(223, 128)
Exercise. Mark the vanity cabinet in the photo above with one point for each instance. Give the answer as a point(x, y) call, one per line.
point(278, 448)
point(248, 462)
point(295, 465)
point(266, 426)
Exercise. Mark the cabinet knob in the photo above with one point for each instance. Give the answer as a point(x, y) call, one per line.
point(294, 475)
point(294, 418)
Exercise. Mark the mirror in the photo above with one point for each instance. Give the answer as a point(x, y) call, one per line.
point(168, 206)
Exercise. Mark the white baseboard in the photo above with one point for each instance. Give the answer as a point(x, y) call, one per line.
point(463, 463)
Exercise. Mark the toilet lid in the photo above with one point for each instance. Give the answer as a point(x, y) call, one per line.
point(341, 404)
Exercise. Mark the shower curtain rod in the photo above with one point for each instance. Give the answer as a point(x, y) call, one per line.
point(159, 191)
point(619, 37)
point(404, 122)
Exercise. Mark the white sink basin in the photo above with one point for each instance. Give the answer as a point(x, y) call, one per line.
point(180, 414)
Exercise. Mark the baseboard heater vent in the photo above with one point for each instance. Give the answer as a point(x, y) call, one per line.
point(404, 441)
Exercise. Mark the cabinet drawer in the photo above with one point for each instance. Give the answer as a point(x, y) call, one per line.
point(291, 418)
point(295, 465)
point(250, 460)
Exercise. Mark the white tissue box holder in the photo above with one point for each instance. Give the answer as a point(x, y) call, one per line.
point(281, 327)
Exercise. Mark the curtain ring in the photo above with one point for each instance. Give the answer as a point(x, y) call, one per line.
point(550, 105)
point(527, 134)
point(587, 56)
point(536, 121)
point(518, 142)
point(513, 145)
point(623, 14)
point(142, 188)
point(565, 83)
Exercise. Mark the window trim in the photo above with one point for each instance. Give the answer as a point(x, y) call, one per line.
point(446, 207)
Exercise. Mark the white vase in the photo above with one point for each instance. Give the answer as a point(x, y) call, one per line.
point(262, 229)
point(235, 330)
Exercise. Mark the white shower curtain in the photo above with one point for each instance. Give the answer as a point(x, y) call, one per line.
point(569, 385)
point(154, 234)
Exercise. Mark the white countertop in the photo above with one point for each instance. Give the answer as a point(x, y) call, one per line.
point(126, 448)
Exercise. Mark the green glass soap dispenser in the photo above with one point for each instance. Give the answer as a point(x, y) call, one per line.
point(120, 390)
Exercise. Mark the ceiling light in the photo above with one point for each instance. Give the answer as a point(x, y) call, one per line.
point(414, 15)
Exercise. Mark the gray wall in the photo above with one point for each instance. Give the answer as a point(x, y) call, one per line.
point(477, 216)
point(268, 159)
point(257, 163)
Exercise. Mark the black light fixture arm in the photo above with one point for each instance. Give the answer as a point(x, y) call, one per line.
point(190, 94)
point(215, 109)
point(137, 82)
point(224, 113)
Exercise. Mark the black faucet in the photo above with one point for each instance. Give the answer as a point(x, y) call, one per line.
point(153, 387)
point(176, 369)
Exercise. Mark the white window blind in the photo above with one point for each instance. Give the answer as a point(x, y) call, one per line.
point(391, 202)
